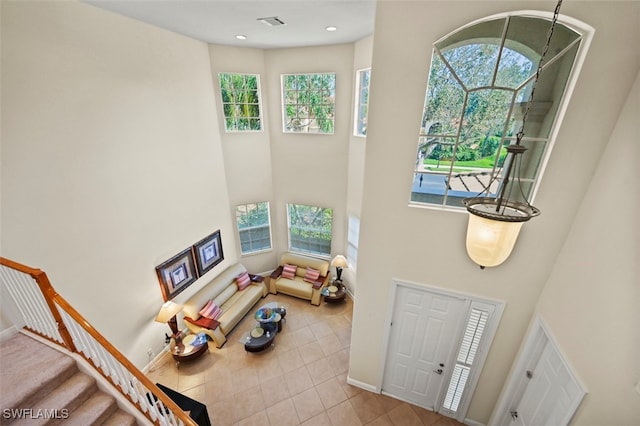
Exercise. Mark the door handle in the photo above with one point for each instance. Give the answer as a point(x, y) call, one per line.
point(438, 371)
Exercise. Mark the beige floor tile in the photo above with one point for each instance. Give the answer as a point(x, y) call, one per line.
point(258, 419)
point(320, 371)
point(331, 393)
point(249, 402)
point(366, 406)
point(330, 344)
point(403, 415)
point(427, 417)
point(290, 360)
point(274, 391)
point(283, 414)
point(244, 378)
point(303, 336)
point(311, 352)
point(320, 420)
point(307, 404)
point(321, 329)
point(298, 380)
point(383, 420)
point(343, 414)
point(222, 412)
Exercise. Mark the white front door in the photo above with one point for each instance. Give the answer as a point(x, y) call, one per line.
point(551, 394)
point(423, 334)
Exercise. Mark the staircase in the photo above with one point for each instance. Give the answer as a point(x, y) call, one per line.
point(42, 385)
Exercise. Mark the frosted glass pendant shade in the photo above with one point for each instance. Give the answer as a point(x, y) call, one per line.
point(489, 242)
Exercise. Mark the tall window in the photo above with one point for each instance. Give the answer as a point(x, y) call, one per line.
point(310, 229)
point(479, 83)
point(254, 227)
point(362, 102)
point(240, 102)
point(353, 236)
point(309, 103)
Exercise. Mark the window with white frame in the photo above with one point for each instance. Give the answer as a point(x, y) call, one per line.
point(240, 102)
point(353, 235)
point(479, 83)
point(362, 102)
point(310, 229)
point(254, 227)
point(308, 103)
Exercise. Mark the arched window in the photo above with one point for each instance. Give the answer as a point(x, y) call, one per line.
point(479, 84)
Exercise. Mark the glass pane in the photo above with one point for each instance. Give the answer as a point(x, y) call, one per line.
point(514, 68)
point(473, 52)
point(443, 101)
point(255, 124)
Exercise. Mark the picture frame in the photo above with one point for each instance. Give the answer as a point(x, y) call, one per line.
point(176, 274)
point(208, 252)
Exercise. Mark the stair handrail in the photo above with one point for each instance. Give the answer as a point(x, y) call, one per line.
point(168, 412)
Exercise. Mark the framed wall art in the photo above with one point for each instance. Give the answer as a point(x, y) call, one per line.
point(208, 252)
point(176, 274)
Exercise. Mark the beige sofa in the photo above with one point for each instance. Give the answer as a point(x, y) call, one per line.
point(235, 304)
point(298, 287)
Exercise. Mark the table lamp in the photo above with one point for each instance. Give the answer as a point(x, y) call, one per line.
point(168, 314)
point(339, 262)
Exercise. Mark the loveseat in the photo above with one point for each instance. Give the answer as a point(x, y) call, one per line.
point(233, 303)
point(307, 280)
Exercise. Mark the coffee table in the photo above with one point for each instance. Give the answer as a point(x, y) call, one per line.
point(260, 337)
point(335, 292)
point(187, 348)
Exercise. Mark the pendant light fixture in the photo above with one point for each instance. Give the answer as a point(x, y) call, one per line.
point(495, 222)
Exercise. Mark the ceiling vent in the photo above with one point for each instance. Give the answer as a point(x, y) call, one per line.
point(272, 21)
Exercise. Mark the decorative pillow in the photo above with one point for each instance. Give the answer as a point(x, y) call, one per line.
point(289, 271)
point(243, 281)
point(211, 310)
point(204, 322)
point(311, 275)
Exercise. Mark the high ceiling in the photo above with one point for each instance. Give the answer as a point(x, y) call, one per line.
point(218, 21)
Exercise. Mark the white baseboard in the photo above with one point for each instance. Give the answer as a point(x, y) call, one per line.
point(156, 360)
point(362, 385)
point(8, 333)
point(470, 422)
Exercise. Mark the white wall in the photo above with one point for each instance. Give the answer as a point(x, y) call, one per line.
point(355, 167)
point(427, 246)
point(111, 160)
point(310, 168)
point(247, 155)
point(592, 298)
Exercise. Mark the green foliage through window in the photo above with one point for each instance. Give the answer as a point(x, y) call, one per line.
point(362, 102)
point(240, 102)
point(254, 227)
point(310, 229)
point(309, 102)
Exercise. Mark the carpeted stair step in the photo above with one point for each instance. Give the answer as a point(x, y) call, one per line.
point(94, 411)
point(120, 418)
point(66, 397)
point(31, 370)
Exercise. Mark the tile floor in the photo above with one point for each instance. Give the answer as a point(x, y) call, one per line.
point(301, 380)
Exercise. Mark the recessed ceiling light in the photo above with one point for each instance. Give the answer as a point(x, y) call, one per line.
point(331, 28)
point(241, 37)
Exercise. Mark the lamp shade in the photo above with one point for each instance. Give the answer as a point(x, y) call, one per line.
point(339, 262)
point(489, 242)
point(168, 311)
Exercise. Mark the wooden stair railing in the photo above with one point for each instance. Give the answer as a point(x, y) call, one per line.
point(49, 315)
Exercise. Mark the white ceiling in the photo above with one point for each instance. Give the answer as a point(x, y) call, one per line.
point(218, 21)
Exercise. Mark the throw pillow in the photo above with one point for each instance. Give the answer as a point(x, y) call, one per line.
point(311, 275)
point(289, 271)
point(204, 322)
point(243, 281)
point(211, 310)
